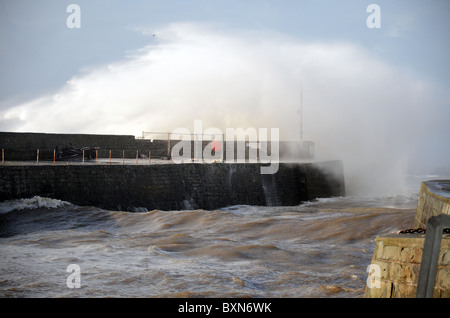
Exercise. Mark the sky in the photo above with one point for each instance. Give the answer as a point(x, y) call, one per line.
point(373, 97)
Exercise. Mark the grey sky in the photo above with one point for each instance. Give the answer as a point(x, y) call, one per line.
point(39, 53)
point(369, 94)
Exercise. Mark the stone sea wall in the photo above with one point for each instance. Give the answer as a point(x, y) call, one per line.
point(23, 146)
point(434, 199)
point(173, 186)
point(397, 259)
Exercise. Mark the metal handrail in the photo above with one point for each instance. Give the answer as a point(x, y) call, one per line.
point(168, 134)
point(430, 255)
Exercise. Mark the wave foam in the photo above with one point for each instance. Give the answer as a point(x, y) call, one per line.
point(31, 203)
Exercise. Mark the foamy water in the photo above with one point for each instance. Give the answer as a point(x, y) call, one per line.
point(318, 249)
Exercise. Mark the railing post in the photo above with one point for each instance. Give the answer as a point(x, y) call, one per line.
point(168, 145)
point(430, 255)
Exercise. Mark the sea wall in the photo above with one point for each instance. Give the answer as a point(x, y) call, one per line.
point(434, 199)
point(23, 146)
point(173, 186)
point(397, 258)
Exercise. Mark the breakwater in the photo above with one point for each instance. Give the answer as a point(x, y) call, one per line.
point(23, 146)
point(397, 259)
point(173, 186)
point(434, 199)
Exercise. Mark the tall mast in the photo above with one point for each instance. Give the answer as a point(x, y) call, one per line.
point(301, 112)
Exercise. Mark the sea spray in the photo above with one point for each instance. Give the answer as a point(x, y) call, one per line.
point(31, 203)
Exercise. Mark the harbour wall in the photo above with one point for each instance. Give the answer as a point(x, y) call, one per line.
point(397, 258)
point(173, 186)
point(434, 199)
point(23, 146)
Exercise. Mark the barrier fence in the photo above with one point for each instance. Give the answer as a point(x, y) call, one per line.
point(204, 146)
point(83, 158)
point(161, 149)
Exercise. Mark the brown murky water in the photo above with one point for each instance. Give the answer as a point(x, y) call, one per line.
point(318, 249)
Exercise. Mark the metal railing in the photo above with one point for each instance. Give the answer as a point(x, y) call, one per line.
point(430, 255)
point(174, 136)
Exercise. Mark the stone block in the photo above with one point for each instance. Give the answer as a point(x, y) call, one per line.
point(444, 257)
point(383, 292)
point(390, 252)
point(410, 255)
point(402, 290)
point(443, 278)
point(444, 293)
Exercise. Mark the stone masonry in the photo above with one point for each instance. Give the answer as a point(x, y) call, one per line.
point(172, 186)
point(433, 200)
point(399, 259)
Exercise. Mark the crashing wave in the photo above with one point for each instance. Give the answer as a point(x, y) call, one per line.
point(31, 203)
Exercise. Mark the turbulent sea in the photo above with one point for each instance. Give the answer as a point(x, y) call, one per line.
point(321, 248)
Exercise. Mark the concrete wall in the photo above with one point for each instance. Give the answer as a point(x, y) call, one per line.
point(173, 186)
point(399, 258)
point(433, 200)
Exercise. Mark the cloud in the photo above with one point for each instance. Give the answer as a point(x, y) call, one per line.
point(356, 108)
